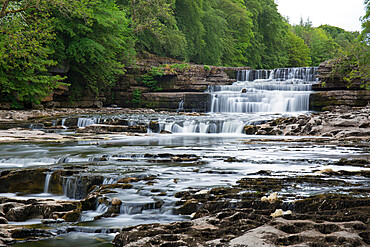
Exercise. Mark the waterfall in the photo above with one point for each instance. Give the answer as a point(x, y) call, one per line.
point(181, 106)
point(137, 208)
point(70, 187)
point(36, 126)
point(47, 182)
point(83, 122)
point(204, 127)
point(109, 181)
point(102, 208)
point(279, 90)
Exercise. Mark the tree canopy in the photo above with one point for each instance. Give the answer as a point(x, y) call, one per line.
point(91, 41)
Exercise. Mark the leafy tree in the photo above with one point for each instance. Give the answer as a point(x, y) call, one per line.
point(25, 38)
point(154, 24)
point(94, 42)
point(322, 47)
point(365, 34)
point(215, 27)
point(299, 53)
point(320, 42)
point(267, 48)
point(353, 65)
point(340, 36)
point(334, 32)
point(189, 15)
point(238, 32)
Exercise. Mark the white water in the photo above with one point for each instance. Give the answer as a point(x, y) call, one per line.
point(47, 182)
point(83, 122)
point(205, 126)
point(181, 106)
point(273, 91)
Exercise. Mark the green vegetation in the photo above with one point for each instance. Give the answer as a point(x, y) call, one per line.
point(150, 78)
point(136, 98)
point(353, 63)
point(86, 44)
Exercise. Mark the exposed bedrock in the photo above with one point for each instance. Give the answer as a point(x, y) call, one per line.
point(321, 100)
point(332, 90)
point(242, 216)
point(338, 122)
point(179, 82)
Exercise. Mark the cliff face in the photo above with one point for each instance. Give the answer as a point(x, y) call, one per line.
point(334, 91)
point(157, 83)
point(171, 84)
point(167, 84)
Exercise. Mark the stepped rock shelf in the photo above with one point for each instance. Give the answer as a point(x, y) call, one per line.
point(258, 169)
point(189, 84)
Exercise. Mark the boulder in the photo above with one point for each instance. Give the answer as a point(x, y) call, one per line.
point(116, 201)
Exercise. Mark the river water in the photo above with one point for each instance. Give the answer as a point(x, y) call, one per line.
point(217, 150)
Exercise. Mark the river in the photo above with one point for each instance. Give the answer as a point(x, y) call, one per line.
point(197, 152)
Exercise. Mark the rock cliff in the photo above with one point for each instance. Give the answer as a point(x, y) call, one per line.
point(158, 83)
point(333, 91)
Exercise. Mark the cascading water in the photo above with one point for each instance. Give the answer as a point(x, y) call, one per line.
point(278, 90)
point(181, 106)
point(282, 91)
point(47, 182)
point(83, 122)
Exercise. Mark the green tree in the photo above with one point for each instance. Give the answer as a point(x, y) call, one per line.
point(189, 15)
point(299, 53)
point(353, 65)
point(95, 42)
point(322, 47)
point(154, 24)
point(25, 38)
point(365, 34)
point(238, 32)
point(267, 48)
point(215, 27)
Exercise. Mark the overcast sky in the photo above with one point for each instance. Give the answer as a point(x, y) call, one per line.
point(340, 13)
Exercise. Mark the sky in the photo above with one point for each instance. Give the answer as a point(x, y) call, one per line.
point(340, 13)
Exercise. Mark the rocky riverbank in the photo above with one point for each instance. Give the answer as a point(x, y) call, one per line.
point(337, 123)
point(251, 214)
point(258, 210)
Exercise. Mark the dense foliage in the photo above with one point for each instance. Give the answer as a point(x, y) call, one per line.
point(45, 44)
point(352, 65)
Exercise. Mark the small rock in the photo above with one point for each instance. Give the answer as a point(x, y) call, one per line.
point(189, 207)
point(116, 201)
point(154, 126)
point(271, 198)
point(165, 132)
point(327, 171)
point(127, 180)
point(72, 216)
point(280, 212)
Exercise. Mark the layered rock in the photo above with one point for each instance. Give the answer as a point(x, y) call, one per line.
point(353, 98)
point(333, 90)
point(239, 216)
point(177, 82)
point(339, 122)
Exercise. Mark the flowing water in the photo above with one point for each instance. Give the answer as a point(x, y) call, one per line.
point(279, 90)
point(208, 140)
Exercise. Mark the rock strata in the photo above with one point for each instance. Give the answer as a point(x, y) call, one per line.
point(338, 123)
point(238, 216)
